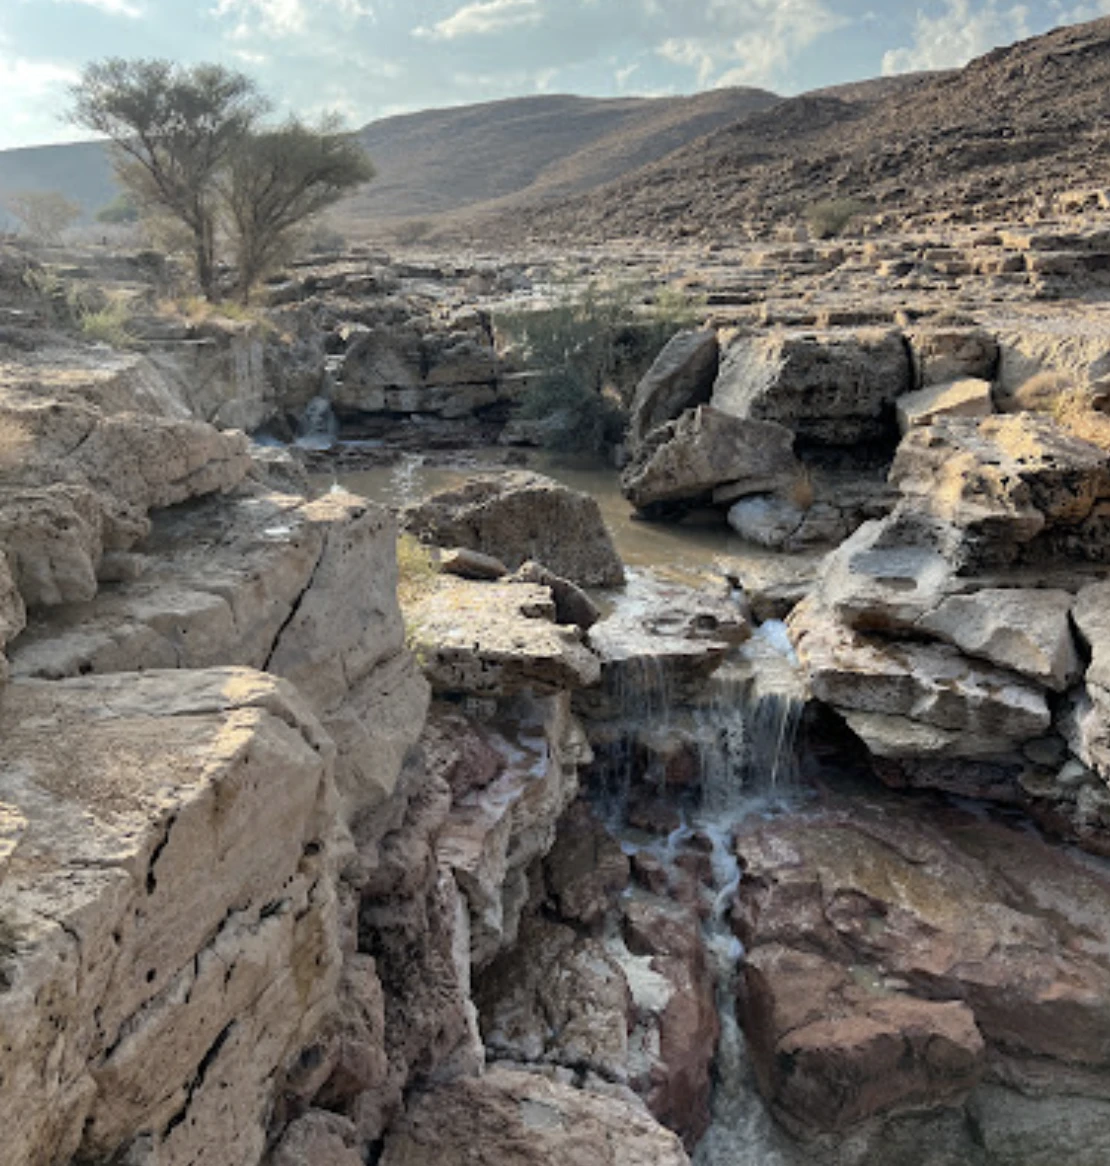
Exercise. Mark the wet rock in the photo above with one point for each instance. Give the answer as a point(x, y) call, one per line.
point(829, 388)
point(894, 939)
point(705, 454)
point(496, 831)
point(521, 1119)
point(585, 869)
point(681, 378)
point(490, 639)
point(517, 516)
point(969, 397)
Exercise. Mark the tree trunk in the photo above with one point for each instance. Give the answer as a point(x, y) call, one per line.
point(204, 251)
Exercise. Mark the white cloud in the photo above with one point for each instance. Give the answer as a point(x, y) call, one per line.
point(31, 95)
point(279, 19)
point(111, 7)
point(750, 43)
point(1076, 13)
point(955, 36)
point(483, 18)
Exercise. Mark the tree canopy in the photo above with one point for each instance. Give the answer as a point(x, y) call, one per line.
point(42, 214)
point(191, 143)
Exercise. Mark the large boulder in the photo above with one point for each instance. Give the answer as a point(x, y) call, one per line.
point(136, 995)
point(680, 378)
point(516, 516)
point(943, 355)
point(896, 954)
point(708, 455)
point(521, 1119)
point(831, 388)
point(1018, 486)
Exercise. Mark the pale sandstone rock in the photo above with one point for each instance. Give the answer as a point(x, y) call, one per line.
point(680, 378)
point(521, 1119)
point(1024, 630)
point(831, 388)
point(516, 516)
point(706, 453)
point(318, 1139)
point(1092, 617)
point(765, 519)
point(175, 999)
point(943, 355)
point(491, 639)
point(969, 397)
point(928, 683)
point(1004, 481)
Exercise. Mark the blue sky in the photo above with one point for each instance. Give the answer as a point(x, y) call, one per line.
point(371, 58)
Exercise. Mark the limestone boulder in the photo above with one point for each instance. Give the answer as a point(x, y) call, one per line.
point(1018, 486)
point(521, 1119)
point(708, 454)
point(890, 964)
point(952, 704)
point(174, 1000)
point(491, 639)
point(943, 355)
point(680, 378)
point(1021, 629)
point(516, 516)
point(831, 388)
point(1092, 618)
point(661, 642)
point(969, 397)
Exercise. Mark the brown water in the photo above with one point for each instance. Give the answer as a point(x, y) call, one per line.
point(703, 545)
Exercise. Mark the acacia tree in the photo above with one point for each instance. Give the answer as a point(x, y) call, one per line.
point(277, 180)
point(189, 145)
point(43, 214)
point(173, 129)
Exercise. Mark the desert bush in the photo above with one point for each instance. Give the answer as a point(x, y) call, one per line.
point(107, 325)
point(590, 347)
point(830, 216)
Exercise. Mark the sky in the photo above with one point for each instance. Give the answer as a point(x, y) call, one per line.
point(368, 59)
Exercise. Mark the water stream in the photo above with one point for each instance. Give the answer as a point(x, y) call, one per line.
point(744, 728)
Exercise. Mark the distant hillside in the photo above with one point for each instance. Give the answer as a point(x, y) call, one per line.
point(443, 160)
point(81, 170)
point(989, 140)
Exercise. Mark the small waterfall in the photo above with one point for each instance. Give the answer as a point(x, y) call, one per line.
point(404, 480)
point(318, 427)
point(744, 729)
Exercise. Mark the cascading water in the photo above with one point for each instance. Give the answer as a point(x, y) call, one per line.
point(318, 427)
point(745, 739)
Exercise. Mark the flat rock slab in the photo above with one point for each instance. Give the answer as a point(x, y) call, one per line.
point(969, 397)
point(493, 639)
point(956, 940)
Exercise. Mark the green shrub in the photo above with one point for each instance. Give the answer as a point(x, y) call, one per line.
point(829, 217)
point(108, 325)
point(589, 349)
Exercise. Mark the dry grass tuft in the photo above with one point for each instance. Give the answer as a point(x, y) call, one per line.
point(417, 573)
point(15, 443)
point(802, 491)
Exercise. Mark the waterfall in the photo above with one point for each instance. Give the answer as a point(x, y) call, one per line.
point(317, 427)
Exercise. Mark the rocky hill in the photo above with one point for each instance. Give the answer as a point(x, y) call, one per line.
point(441, 160)
point(1013, 127)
